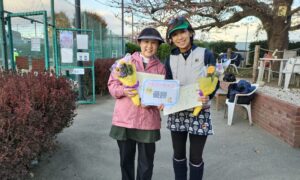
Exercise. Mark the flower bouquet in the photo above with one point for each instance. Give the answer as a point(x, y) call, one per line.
point(125, 72)
point(207, 85)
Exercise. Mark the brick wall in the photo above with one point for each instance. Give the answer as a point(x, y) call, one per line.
point(22, 62)
point(278, 117)
point(38, 65)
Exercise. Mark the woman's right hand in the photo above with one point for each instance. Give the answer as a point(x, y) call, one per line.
point(203, 99)
point(130, 92)
point(160, 107)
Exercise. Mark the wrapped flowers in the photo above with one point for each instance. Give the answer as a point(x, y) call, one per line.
point(125, 72)
point(207, 86)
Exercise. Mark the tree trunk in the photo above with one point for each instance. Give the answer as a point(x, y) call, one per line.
point(278, 30)
point(278, 38)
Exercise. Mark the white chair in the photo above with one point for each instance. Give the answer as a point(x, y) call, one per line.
point(231, 106)
point(292, 66)
point(287, 54)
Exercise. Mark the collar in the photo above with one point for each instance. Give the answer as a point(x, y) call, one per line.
point(176, 50)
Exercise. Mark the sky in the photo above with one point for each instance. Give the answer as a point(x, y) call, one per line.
point(237, 32)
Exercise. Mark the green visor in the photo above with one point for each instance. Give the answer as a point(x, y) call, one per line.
point(184, 25)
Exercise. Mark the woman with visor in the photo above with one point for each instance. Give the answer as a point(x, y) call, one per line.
point(185, 63)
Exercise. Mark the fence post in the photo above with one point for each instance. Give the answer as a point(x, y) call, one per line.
point(11, 43)
point(255, 63)
point(3, 36)
point(46, 48)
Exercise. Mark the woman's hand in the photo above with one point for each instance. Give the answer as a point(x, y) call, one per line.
point(203, 99)
point(160, 107)
point(130, 92)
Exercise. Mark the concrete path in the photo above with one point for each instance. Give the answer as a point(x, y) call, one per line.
point(240, 152)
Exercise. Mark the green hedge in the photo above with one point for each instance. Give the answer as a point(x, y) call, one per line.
point(131, 47)
point(165, 49)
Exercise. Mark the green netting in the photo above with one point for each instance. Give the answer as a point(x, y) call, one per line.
point(107, 44)
point(28, 37)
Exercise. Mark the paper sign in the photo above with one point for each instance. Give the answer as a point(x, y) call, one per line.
point(66, 55)
point(36, 44)
point(157, 92)
point(188, 98)
point(282, 10)
point(82, 41)
point(83, 56)
point(77, 71)
point(66, 39)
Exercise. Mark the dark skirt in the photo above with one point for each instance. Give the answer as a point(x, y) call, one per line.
point(185, 121)
point(141, 136)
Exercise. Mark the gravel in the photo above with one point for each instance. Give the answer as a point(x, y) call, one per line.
point(292, 95)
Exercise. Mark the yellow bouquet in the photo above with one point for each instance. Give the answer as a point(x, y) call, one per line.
point(207, 85)
point(125, 72)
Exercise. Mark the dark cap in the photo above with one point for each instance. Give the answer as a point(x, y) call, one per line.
point(178, 23)
point(150, 33)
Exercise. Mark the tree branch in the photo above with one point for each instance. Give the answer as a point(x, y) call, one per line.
point(295, 27)
point(295, 10)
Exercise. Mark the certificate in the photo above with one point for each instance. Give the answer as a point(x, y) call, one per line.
point(188, 98)
point(141, 76)
point(157, 92)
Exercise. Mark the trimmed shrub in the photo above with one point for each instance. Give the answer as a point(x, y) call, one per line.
point(221, 46)
point(131, 47)
point(33, 110)
point(201, 43)
point(164, 51)
point(102, 73)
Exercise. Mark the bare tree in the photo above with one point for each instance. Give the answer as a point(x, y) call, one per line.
point(277, 17)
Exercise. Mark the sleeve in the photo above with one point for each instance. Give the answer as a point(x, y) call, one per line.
point(168, 69)
point(116, 89)
point(209, 58)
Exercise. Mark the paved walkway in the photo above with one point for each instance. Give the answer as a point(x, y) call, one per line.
point(239, 152)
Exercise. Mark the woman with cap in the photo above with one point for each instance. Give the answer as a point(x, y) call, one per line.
point(185, 63)
point(137, 125)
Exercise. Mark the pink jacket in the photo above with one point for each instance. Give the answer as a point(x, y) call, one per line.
point(126, 114)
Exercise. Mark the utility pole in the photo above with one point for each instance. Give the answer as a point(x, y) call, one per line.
point(77, 14)
point(132, 25)
point(246, 37)
point(78, 26)
point(123, 52)
point(3, 36)
point(35, 29)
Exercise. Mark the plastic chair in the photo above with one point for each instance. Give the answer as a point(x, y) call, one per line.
point(227, 63)
point(292, 67)
point(231, 106)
